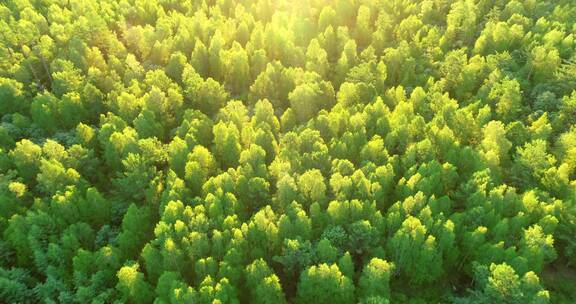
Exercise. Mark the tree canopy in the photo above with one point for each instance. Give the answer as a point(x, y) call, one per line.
point(275, 151)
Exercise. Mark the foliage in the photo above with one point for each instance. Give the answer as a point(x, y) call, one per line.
point(329, 151)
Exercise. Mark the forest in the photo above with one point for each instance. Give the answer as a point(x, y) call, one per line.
point(288, 151)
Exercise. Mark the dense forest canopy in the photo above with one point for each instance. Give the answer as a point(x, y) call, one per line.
point(275, 151)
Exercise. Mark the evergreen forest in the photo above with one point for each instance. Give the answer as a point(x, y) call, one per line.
point(288, 151)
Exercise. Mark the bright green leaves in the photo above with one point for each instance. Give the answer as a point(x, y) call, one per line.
point(276, 152)
point(199, 167)
point(498, 37)
point(274, 84)
point(421, 265)
point(532, 162)
point(132, 285)
point(207, 95)
point(375, 280)
point(237, 72)
point(324, 284)
point(26, 157)
point(171, 289)
point(496, 146)
point(507, 99)
point(12, 96)
point(312, 186)
point(263, 284)
point(226, 144)
point(543, 63)
point(537, 247)
point(461, 23)
point(309, 98)
point(65, 78)
point(499, 283)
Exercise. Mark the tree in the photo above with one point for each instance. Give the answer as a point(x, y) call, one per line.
point(136, 179)
point(171, 289)
point(309, 98)
point(175, 66)
point(532, 161)
point(12, 94)
point(199, 58)
point(422, 265)
point(543, 64)
point(263, 284)
point(507, 98)
point(196, 128)
point(226, 144)
point(136, 230)
point(27, 160)
point(199, 167)
point(66, 77)
point(461, 23)
point(262, 233)
point(211, 291)
point(210, 97)
point(324, 284)
point(14, 285)
point(316, 58)
point(207, 95)
point(54, 177)
point(214, 59)
point(537, 247)
point(71, 110)
point(312, 186)
point(500, 283)
point(296, 257)
point(351, 94)
point(363, 27)
point(132, 285)
point(237, 74)
point(44, 112)
point(147, 125)
point(274, 84)
point(326, 252)
point(375, 279)
point(495, 144)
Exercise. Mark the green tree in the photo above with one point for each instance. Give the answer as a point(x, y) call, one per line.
point(500, 283)
point(263, 284)
point(507, 99)
point(237, 73)
point(309, 98)
point(132, 285)
point(27, 159)
point(136, 230)
point(199, 167)
point(375, 279)
point(312, 186)
point(422, 265)
point(324, 284)
point(496, 146)
point(227, 144)
point(12, 94)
